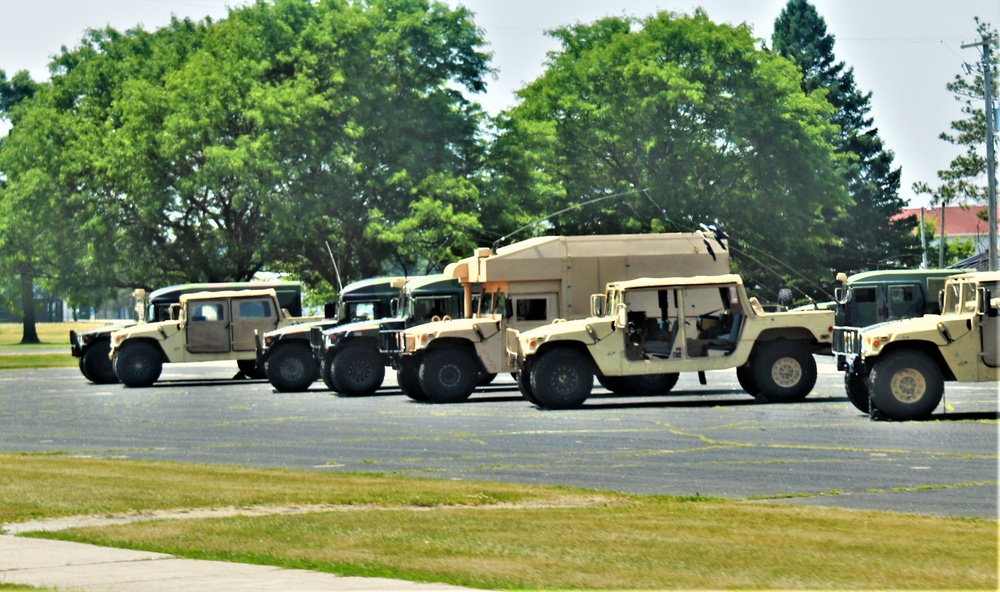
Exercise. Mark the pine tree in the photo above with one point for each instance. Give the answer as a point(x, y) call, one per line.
point(870, 239)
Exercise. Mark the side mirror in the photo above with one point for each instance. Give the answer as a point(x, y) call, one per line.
point(983, 306)
point(175, 312)
point(330, 310)
point(508, 308)
point(597, 304)
point(941, 300)
point(838, 295)
point(394, 307)
point(622, 318)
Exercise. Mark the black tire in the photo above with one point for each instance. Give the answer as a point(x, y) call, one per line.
point(905, 385)
point(523, 379)
point(324, 371)
point(137, 365)
point(448, 375)
point(486, 378)
point(250, 370)
point(857, 391)
point(96, 365)
point(291, 367)
point(616, 384)
point(744, 375)
point(561, 379)
point(784, 371)
point(83, 370)
point(408, 378)
point(357, 370)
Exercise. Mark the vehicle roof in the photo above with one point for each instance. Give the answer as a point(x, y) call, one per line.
point(228, 294)
point(173, 292)
point(981, 276)
point(696, 280)
point(900, 275)
point(435, 283)
point(366, 288)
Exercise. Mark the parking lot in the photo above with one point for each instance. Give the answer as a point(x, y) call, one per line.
point(711, 439)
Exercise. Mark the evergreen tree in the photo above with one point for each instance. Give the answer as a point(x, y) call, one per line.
point(964, 181)
point(869, 239)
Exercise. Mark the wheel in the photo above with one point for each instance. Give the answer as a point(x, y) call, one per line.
point(857, 391)
point(83, 370)
point(96, 365)
point(324, 371)
point(616, 384)
point(137, 365)
point(292, 368)
point(523, 379)
point(408, 378)
point(905, 385)
point(486, 378)
point(561, 379)
point(649, 385)
point(357, 370)
point(784, 371)
point(448, 375)
point(744, 375)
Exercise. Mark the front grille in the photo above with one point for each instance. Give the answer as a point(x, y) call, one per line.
point(846, 341)
point(389, 341)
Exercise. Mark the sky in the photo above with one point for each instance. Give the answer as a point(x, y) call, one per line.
point(903, 52)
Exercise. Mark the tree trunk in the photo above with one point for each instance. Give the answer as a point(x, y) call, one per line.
point(29, 333)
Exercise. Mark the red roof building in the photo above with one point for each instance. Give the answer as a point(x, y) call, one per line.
point(959, 222)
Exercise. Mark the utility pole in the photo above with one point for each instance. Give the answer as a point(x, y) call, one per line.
point(991, 176)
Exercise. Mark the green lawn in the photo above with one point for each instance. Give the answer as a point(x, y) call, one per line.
point(500, 536)
point(53, 336)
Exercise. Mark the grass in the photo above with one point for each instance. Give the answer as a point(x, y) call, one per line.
point(500, 536)
point(38, 355)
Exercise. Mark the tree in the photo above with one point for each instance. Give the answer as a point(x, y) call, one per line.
point(208, 151)
point(963, 182)
point(689, 123)
point(868, 237)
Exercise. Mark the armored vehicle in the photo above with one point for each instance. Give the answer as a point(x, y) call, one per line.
point(352, 363)
point(530, 284)
point(94, 345)
point(204, 327)
point(643, 333)
point(285, 354)
point(897, 369)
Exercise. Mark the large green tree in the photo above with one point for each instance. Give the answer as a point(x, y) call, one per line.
point(689, 122)
point(868, 237)
point(208, 151)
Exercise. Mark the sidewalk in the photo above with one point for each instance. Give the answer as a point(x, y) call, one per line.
point(89, 568)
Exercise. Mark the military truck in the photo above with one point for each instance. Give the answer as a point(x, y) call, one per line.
point(352, 362)
point(285, 355)
point(93, 346)
point(643, 333)
point(204, 327)
point(897, 369)
point(878, 296)
point(530, 284)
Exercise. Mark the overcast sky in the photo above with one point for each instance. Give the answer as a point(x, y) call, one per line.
point(902, 51)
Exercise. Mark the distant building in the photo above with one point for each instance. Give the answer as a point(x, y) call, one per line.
point(960, 223)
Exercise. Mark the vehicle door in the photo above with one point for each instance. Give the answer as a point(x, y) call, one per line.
point(905, 301)
point(249, 315)
point(208, 326)
point(989, 326)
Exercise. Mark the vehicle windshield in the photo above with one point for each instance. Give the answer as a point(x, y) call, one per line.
point(959, 298)
point(361, 310)
point(492, 302)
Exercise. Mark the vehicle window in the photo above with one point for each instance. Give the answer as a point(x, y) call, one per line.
point(255, 309)
point(903, 301)
point(969, 297)
point(207, 312)
point(428, 308)
point(361, 311)
point(952, 302)
point(531, 309)
point(864, 294)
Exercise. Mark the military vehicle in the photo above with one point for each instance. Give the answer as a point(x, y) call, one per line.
point(285, 354)
point(878, 296)
point(530, 284)
point(643, 333)
point(897, 369)
point(204, 327)
point(352, 362)
point(93, 346)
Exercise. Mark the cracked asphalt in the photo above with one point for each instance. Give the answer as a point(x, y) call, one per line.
point(703, 439)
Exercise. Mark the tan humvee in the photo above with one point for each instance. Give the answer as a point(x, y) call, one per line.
point(204, 327)
point(644, 332)
point(898, 369)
